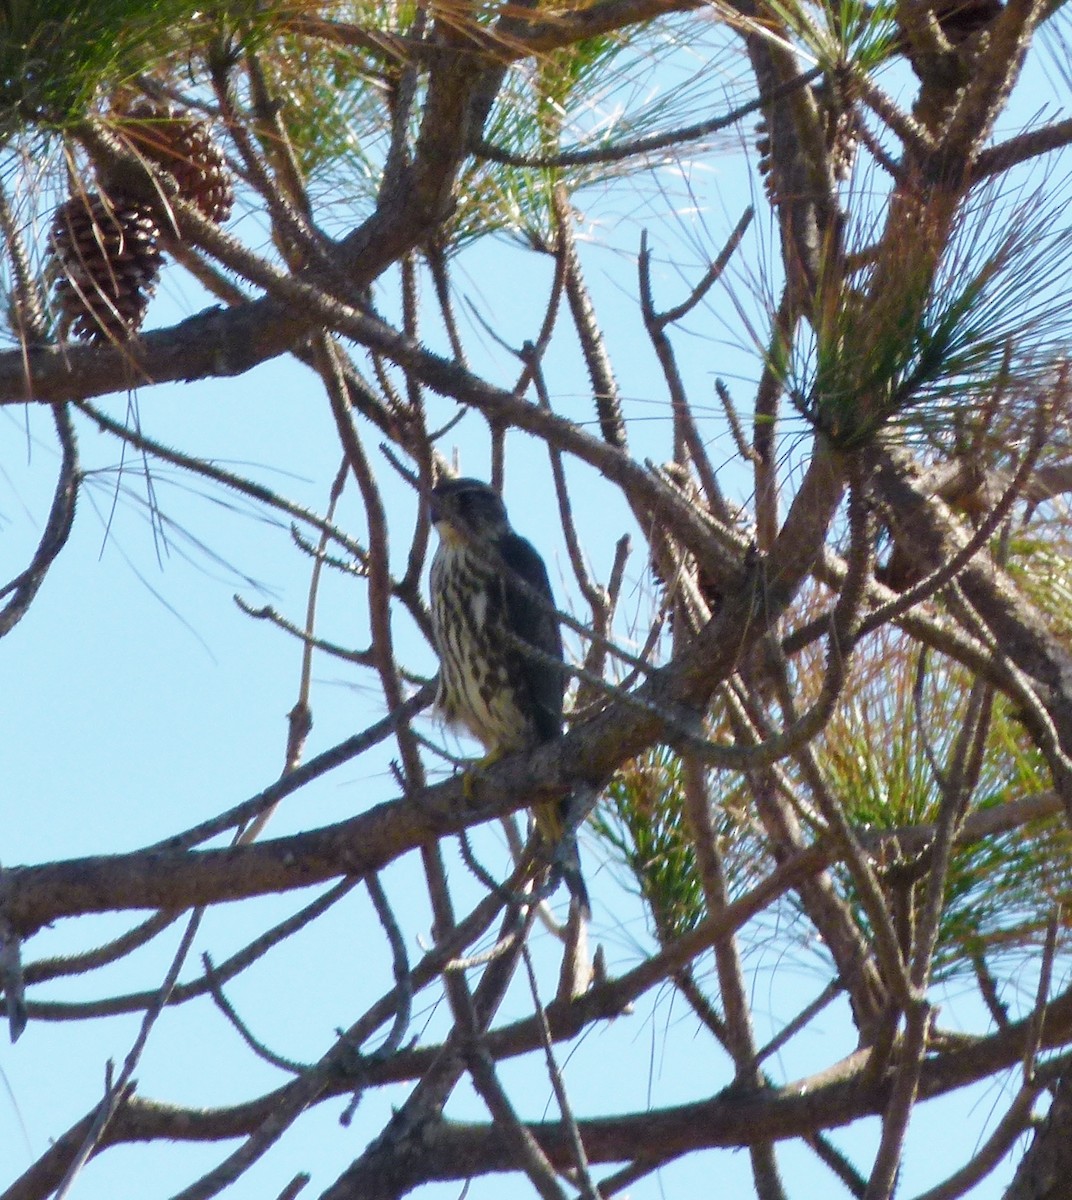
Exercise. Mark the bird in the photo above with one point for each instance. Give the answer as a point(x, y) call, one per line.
point(499, 643)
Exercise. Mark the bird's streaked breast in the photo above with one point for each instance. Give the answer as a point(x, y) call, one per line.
point(478, 679)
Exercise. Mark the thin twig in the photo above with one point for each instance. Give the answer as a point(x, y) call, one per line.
point(648, 145)
point(996, 1147)
point(275, 139)
point(829, 993)
point(12, 979)
point(615, 1184)
point(580, 1158)
point(238, 483)
point(351, 747)
point(258, 1047)
point(28, 301)
point(290, 1102)
point(100, 956)
point(710, 277)
point(532, 1159)
point(117, 1091)
point(437, 266)
point(1042, 994)
point(300, 717)
point(24, 587)
point(294, 1187)
point(592, 594)
point(988, 989)
point(740, 1039)
point(903, 1094)
point(962, 779)
point(265, 612)
point(765, 421)
point(399, 965)
point(832, 1157)
point(684, 420)
point(595, 660)
point(54, 1010)
point(608, 400)
point(295, 236)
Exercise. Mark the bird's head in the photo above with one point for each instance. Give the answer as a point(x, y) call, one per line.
point(467, 511)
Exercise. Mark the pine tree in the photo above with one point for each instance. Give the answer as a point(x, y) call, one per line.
point(756, 315)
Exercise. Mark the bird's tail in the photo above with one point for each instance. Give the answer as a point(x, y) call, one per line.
point(557, 830)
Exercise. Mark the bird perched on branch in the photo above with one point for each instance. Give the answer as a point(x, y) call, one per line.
point(499, 644)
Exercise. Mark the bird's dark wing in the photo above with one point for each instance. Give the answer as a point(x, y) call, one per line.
point(535, 623)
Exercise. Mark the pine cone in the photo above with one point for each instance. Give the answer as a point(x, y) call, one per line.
point(184, 147)
point(108, 257)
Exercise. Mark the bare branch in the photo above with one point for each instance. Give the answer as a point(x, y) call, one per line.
point(24, 587)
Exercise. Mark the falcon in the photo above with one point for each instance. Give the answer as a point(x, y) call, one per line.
point(498, 640)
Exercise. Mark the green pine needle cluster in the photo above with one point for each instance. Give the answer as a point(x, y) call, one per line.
point(879, 753)
point(924, 352)
point(56, 56)
point(835, 34)
point(645, 824)
point(1043, 570)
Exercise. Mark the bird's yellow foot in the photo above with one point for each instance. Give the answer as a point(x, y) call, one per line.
point(472, 772)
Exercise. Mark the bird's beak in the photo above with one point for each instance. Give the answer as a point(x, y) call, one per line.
point(447, 531)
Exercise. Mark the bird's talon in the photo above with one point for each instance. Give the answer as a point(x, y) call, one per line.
point(469, 778)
